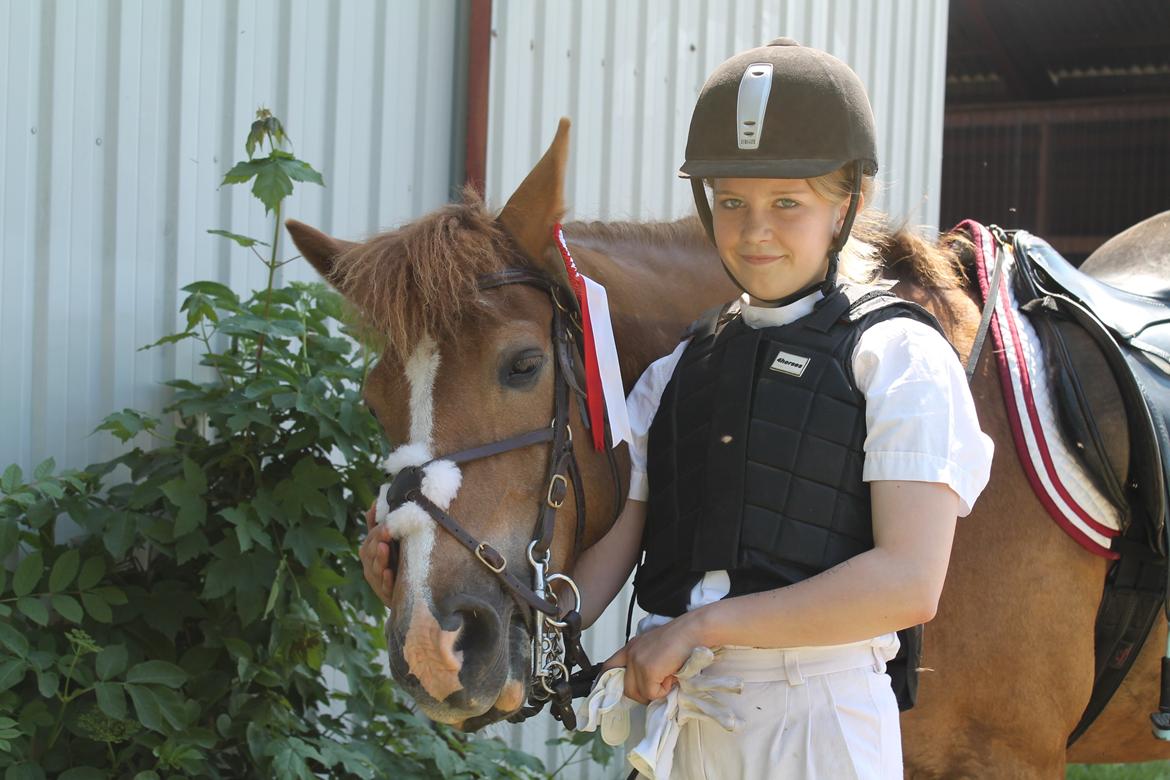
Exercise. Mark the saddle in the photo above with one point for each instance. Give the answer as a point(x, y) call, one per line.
point(1132, 332)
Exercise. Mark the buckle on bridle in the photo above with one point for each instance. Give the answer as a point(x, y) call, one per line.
point(562, 491)
point(485, 549)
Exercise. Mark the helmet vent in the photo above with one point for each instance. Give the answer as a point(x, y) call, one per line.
point(755, 87)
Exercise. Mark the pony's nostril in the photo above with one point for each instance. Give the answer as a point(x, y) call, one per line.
point(480, 635)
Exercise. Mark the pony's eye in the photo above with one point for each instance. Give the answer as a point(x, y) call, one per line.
point(523, 369)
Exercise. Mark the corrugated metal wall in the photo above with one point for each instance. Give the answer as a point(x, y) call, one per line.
point(117, 123)
point(628, 73)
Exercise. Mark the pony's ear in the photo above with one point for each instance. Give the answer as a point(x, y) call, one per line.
point(317, 247)
point(539, 203)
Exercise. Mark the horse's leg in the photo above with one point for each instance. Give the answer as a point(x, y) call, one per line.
point(1011, 648)
point(1121, 733)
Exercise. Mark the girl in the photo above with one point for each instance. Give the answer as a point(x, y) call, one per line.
point(799, 464)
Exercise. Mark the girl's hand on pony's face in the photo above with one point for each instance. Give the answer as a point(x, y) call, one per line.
point(379, 557)
point(652, 659)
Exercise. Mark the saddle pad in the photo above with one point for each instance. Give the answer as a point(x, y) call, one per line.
point(1051, 465)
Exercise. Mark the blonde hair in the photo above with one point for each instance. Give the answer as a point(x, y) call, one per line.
point(861, 260)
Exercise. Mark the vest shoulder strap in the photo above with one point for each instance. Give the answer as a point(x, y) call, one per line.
point(865, 300)
point(710, 321)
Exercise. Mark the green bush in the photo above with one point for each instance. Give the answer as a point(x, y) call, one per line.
point(186, 630)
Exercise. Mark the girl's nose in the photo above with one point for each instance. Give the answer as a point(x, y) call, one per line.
point(756, 227)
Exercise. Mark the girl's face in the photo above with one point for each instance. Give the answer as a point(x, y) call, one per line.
point(774, 234)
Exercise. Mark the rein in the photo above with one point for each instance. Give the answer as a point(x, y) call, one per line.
point(556, 643)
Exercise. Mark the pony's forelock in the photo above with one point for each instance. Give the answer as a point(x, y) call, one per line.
point(423, 278)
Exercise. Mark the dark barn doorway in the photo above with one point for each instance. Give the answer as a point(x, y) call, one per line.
point(1057, 117)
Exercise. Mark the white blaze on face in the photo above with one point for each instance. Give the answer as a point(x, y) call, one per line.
point(414, 528)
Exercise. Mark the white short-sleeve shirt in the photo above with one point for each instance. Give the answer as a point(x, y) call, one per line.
point(920, 418)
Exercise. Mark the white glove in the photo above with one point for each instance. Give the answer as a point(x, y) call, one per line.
point(606, 706)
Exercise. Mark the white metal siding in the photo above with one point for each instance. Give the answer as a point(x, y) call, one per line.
point(627, 74)
point(117, 124)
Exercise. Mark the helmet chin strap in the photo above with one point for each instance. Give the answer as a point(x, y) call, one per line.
point(829, 283)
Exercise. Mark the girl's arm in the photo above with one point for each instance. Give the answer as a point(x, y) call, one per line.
point(895, 585)
point(602, 569)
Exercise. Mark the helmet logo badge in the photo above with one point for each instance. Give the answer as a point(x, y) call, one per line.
point(755, 87)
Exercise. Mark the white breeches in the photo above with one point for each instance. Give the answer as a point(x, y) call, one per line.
point(815, 712)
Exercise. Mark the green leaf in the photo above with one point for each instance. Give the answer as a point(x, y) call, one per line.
point(243, 241)
point(83, 773)
point(194, 475)
point(111, 594)
point(147, 775)
point(48, 684)
point(11, 672)
point(313, 536)
point(119, 534)
point(159, 672)
point(97, 607)
point(13, 640)
point(9, 536)
point(92, 572)
point(243, 171)
point(128, 423)
point(274, 593)
point(301, 171)
point(289, 757)
point(34, 610)
point(173, 707)
point(51, 489)
point(64, 570)
point(190, 547)
point(28, 574)
point(12, 478)
point(147, 707)
point(174, 338)
point(111, 661)
point(111, 698)
point(67, 607)
point(187, 497)
point(24, 771)
point(44, 469)
point(272, 184)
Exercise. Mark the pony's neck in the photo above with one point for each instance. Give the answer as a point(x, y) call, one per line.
point(658, 276)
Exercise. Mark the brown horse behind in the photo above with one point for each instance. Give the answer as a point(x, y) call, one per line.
point(1009, 657)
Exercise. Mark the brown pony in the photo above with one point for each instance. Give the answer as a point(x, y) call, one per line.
point(1008, 660)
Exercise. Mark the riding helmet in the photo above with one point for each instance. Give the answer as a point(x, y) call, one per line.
point(781, 111)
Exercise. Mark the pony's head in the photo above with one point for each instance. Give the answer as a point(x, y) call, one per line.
point(463, 365)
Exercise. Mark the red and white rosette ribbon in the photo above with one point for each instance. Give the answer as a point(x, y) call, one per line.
point(603, 381)
point(594, 400)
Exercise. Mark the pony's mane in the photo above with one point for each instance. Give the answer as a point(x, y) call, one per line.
point(656, 234)
point(907, 256)
point(422, 278)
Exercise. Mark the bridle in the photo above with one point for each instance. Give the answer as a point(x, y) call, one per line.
point(556, 642)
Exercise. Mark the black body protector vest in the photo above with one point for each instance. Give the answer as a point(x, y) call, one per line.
point(755, 457)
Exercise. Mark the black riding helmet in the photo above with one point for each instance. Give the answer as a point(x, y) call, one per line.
point(781, 111)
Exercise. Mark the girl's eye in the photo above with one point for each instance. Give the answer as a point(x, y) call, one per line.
point(730, 203)
point(787, 203)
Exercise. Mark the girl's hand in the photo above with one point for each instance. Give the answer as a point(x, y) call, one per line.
point(652, 659)
point(379, 556)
